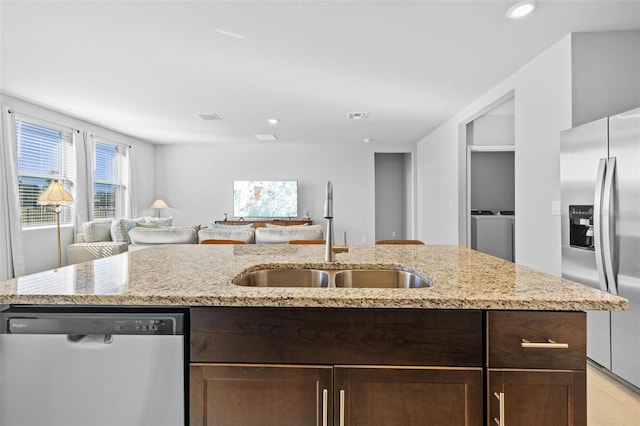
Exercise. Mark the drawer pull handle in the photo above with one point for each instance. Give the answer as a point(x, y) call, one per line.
point(500, 420)
point(325, 401)
point(342, 394)
point(549, 344)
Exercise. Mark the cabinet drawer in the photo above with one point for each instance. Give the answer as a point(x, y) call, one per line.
point(337, 336)
point(554, 340)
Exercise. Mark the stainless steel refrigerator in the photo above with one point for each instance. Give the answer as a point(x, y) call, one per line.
point(600, 184)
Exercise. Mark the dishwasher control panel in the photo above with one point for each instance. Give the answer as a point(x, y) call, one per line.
point(139, 324)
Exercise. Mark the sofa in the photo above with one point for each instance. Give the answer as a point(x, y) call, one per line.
point(269, 234)
point(107, 237)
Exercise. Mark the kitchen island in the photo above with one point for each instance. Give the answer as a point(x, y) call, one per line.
point(202, 275)
point(487, 342)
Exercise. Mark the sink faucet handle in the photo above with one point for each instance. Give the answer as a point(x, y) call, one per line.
point(340, 249)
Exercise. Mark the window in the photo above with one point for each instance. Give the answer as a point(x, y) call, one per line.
point(110, 180)
point(45, 152)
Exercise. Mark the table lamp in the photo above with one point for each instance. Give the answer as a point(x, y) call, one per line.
point(159, 204)
point(55, 195)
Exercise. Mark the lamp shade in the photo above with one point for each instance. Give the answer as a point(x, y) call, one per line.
point(55, 194)
point(159, 204)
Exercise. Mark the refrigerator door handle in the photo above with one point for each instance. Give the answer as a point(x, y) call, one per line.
point(609, 213)
point(597, 223)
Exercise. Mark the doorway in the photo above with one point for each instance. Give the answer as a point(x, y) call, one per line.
point(490, 171)
point(392, 195)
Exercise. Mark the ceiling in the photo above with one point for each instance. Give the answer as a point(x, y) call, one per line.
point(147, 68)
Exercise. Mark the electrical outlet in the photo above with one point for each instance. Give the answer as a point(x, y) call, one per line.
point(364, 239)
point(393, 233)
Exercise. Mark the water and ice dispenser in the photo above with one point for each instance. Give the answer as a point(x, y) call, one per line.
point(581, 227)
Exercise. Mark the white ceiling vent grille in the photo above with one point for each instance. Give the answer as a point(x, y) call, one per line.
point(267, 137)
point(209, 117)
point(358, 115)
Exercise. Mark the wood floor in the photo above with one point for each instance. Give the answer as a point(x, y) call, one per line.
point(610, 403)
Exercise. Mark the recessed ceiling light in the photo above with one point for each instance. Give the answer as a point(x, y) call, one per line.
point(357, 115)
point(209, 116)
point(273, 121)
point(267, 137)
point(522, 9)
point(368, 140)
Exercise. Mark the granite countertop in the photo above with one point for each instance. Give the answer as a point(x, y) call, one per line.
point(202, 275)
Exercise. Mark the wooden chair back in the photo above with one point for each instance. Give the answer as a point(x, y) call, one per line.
point(221, 242)
point(415, 242)
point(306, 242)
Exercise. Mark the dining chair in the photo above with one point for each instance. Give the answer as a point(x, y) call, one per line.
point(306, 241)
point(415, 242)
point(221, 242)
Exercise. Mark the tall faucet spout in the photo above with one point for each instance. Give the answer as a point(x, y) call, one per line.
point(328, 202)
point(331, 249)
point(329, 255)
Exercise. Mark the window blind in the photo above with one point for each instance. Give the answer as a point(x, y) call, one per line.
point(110, 180)
point(45, 153)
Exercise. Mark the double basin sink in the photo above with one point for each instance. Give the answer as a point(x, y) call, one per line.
point(343, 278)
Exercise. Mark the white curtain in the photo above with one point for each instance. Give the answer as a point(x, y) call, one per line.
point(11, 247)
point(131, 185)
point(83, 142)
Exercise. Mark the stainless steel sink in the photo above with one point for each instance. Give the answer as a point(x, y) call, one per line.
point(285, 278)
point(369, 278)
point(359, 278)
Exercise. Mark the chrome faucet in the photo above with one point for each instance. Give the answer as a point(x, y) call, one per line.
point(331, 249)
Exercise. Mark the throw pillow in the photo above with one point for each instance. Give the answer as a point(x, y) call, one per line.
point(120, 229)
point(147, 225)
point(96, 231)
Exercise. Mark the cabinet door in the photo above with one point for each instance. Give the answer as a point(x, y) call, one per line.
point(392, 396)
point(542, 397)
point(258, 395)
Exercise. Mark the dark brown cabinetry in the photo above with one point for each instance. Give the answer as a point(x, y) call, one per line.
point(384, 367)
point(536, 368)
point(247, 395)
point(288, 395)
point(349, 367)
point(391, 396)
point(537, 397)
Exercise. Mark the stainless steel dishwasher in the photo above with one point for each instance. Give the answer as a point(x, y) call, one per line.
point(92, 369)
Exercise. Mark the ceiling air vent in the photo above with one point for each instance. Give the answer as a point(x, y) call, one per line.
point(267, 137)
point(358, 115)
point(209, 117)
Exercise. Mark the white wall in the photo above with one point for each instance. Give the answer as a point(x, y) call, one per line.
point(40, 243)
point(491, 130)
point(196, 180)
point(605, 74)
point(542, 91)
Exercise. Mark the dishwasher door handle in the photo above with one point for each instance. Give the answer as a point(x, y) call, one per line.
point(106, 339)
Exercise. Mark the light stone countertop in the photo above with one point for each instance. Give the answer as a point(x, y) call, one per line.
point(201, 275)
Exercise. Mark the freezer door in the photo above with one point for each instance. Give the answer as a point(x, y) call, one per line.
point(581, 151)
point(624, 146)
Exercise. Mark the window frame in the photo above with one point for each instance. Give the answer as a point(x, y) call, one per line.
point(66, 176)
point(122, 206)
